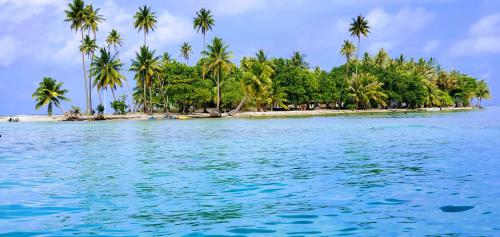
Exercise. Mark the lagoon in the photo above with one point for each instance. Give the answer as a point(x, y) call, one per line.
point(372, 175)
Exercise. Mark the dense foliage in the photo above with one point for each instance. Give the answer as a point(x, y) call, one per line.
point(280, 83)
point(260, 83)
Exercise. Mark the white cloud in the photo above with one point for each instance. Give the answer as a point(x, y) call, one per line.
point(391, 29)
point(232, 7)
point(68, 53)
point(407, 20)
point(237, 7)
point(477, 46)
point(483, 38)
point(8, 48)
point(487, 26)
point(172, 30)
point(19, 10)
point(430, 46)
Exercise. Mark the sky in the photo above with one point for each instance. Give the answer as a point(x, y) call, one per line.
point(35, 42)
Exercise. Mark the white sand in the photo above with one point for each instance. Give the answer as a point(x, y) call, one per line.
point(320, 112)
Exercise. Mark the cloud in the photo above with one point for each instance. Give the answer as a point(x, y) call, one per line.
point(69, 52)
point(19, 10)
point(172, 29)
point(407, 20)
point(390, 29)
point(430, 46)
point(488, 25)
point(476, 46)
point(8, 48)
point(483, 38)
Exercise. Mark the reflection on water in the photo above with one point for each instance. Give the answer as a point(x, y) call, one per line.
point(420, 174)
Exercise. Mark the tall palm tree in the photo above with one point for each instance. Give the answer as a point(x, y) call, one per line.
point(298, 60)
point(114, 39)
point(217, 62)
point(359, 27)
point(204, 21)
point(256, 80)
point(145, 20)
point(348, 49)
point(88, 47)
point(186, 50)
point(482, 92)
point(145, 65)
point(50, 93)
point(106, 71)
point(364, 89)
point(92, 20)
point(76, 16)
point(382, 58)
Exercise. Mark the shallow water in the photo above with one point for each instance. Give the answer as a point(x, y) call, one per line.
point(379, 175)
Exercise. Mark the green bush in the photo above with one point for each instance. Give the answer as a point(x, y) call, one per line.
point(119, 105)
point(75, 110)
point(100, 109)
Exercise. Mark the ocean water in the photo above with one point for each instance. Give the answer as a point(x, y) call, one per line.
point(373, 175)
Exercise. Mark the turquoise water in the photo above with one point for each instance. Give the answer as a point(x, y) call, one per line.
point(380, 175)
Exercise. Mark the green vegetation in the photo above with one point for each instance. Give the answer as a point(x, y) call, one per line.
point(50, 93)
point(119, 105)
point(260, 83)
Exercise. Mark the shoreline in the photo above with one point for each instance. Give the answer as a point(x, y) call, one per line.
point(267, 114)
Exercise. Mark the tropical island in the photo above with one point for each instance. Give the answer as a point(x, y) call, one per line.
point(216, 87)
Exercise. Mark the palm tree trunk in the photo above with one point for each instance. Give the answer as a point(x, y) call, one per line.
point(204, 42)
point(145, 99)
point(113, 93)
point(90, 77)
point(150, 100)
point(100, 96)
point(218, 91)
point(85, 80)
point(357, 57)
point(233, 112)
point(62, 110)
point(144, 38)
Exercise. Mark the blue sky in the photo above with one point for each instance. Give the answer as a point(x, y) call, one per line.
point(36, 42)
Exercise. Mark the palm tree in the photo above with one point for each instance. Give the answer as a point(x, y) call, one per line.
point(203, 22)
point(145, 66)
point(76, 16)
point(348, 49)
point(257, 73)
point(298, 60)
point(382, 58)
point(114, 39)
point(217, 62)
point(145, 20)
point(482, 92)
point(50, 93)
point(359, 27)
point(92, 19)
point(186, 50)
point(106, 70)
point(364, 89)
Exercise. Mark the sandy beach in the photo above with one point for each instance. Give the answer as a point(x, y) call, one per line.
point(267, 114)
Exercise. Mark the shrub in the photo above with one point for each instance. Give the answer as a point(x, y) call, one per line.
point(100, 109)
point(75, 110)
point(119, 105)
